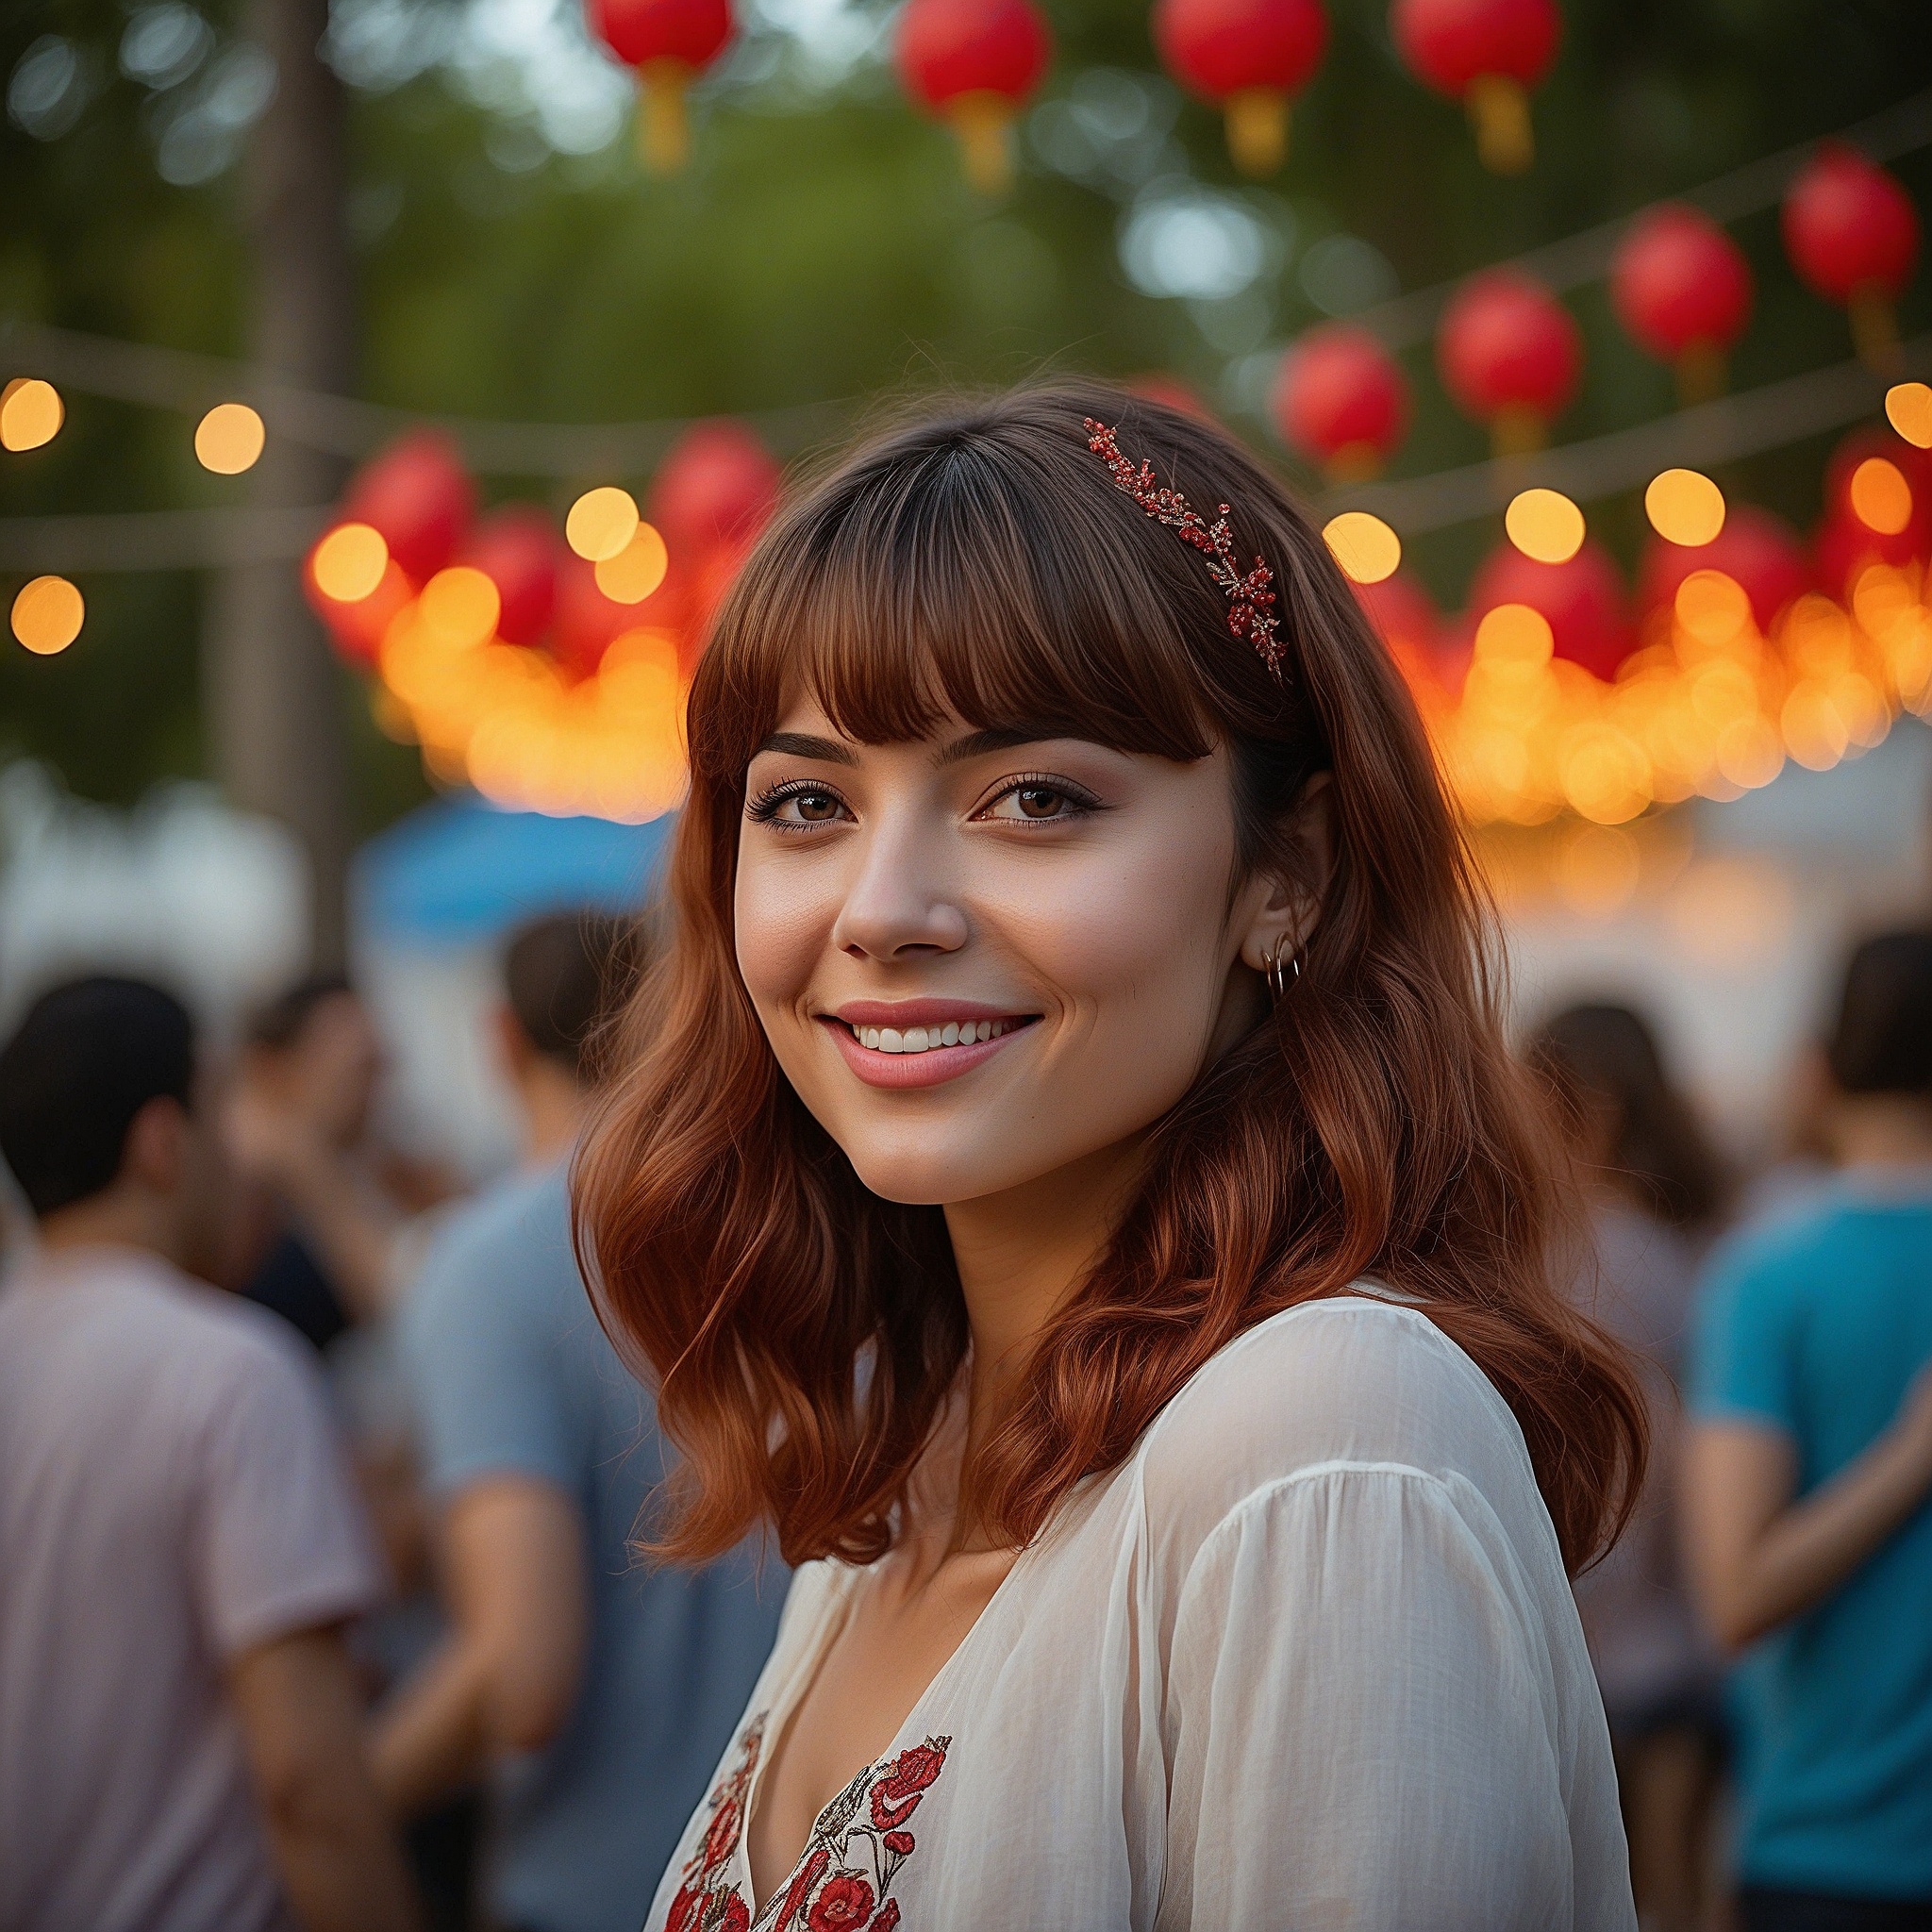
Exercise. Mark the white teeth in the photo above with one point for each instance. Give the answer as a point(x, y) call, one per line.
point(925, 1039)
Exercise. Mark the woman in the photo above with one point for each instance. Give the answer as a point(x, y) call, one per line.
point(1655, 1189)
point(1069, 1185)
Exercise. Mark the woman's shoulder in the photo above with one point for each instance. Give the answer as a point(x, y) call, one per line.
point(1355, 1383)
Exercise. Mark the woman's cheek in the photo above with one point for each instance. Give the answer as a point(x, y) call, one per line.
point(782, 920)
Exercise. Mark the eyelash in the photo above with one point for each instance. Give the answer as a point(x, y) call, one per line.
point(1080, 802)
point(764, 809)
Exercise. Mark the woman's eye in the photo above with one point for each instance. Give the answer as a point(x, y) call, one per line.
point(806, 805)
point(1037, 802)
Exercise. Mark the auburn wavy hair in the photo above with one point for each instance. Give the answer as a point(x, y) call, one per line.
point(803, 1333)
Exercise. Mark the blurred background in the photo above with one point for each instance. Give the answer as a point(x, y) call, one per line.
point(392, 388)
point(364, 219)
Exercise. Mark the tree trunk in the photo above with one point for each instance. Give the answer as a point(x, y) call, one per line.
point(274, 698)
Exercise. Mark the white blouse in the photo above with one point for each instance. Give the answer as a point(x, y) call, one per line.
point(1307, 1661)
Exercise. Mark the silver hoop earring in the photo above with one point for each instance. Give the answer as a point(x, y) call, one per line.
point(1283, 969)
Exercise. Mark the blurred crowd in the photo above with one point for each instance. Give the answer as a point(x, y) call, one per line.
point(321, 1486)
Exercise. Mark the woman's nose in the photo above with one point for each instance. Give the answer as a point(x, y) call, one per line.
point(900, 901)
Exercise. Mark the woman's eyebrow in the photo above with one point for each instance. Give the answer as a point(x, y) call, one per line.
point(802, 744)
point(998, 738)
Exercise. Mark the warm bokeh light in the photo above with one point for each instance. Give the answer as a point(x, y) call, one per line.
point(1711, 607)
point(1514, 634)
point(1365, 547)
point(636, 570)
point(1908, 407)
point(601, 522)
point(1685, 506)
point(1881, 497)
point(229, 438)
point(1545, 524)
point(31, 413)
point(349, 562)
point(47, 615)
point(460, 605)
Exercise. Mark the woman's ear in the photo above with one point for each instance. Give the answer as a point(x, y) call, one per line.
point(1285, 921)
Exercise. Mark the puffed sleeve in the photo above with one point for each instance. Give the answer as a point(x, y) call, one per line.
point(1362, 1726)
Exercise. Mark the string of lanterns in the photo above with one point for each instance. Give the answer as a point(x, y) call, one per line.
point(975, 64)
point(545, 669)
point(1555, 692)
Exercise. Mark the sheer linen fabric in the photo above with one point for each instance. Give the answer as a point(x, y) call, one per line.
point(1308, 1660)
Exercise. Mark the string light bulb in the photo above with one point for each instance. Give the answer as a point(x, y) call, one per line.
point(348, 563)
point(1685, 508)
point(1880, 496)
point(1909, 410)
point(1544, 524)
point(600, 523)
point(636, 570)
point(1365, 547)
point(47, 615)
point(229, 440)
point(31, 413)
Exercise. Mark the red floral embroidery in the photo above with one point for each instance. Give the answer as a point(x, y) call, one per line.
point(803, 1880)
point(846, 1902)
point(856, 1848)
point(707, 1901)
point(897, 1795)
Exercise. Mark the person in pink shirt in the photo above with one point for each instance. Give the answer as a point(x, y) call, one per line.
point(180, 1544)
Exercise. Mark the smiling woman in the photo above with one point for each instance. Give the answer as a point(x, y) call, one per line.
point(1066, 1179)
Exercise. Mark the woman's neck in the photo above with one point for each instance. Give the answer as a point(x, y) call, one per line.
point(1021, 1253)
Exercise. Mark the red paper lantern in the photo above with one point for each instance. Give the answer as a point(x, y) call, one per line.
point(1853, 236)
point(1759, 552)
point(518, 550)
point(356, 630)
point(719, 484)
point(1511, 355)
point(1405, 619)
point(1486, 53)
point(1171, 392)
point(418, 494)
point(1582, 600)
point(1249, 59)
point(668, 42)
point(1341, 399)
point(1682, 289)
point(973, 62)
point(587, 622)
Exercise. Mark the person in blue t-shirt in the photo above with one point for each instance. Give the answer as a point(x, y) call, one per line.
point(1807, 1479)
point(598, 1693)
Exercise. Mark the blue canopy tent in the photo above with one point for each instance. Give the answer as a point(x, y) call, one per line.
point(459, 872)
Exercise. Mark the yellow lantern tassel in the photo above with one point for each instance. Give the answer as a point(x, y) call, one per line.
point(984, 122)
point(1258, 129)
point(1875, 332)
point(663, 126)
point(1500, 110)
point(1702, 375)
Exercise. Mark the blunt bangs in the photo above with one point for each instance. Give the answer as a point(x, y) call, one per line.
point(954, 569)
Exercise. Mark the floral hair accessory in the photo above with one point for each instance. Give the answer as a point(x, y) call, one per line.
point(1250, 596)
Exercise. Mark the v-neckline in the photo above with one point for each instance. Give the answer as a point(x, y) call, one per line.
point(779, 1714)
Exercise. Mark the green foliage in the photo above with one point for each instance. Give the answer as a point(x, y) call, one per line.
point(825, 246)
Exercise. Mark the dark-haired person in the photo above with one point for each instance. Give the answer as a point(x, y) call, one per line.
point(1655, 1188)
point(299, 1122)
point(1070, 1183)
point(597, 1693)
point(1807, 1483)
point(180, 1730)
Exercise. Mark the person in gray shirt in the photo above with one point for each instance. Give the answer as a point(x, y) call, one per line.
point(596, 1693)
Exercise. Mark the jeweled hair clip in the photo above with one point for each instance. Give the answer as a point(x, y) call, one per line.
point(1250, 596)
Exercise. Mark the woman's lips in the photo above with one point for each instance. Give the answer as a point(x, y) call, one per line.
point(933, 1065)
